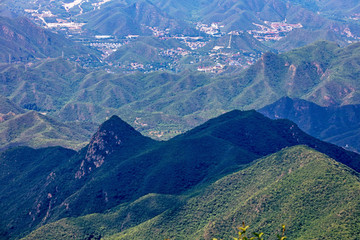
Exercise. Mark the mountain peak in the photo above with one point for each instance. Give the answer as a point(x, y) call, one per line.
point(112, 134)
point(121, 128)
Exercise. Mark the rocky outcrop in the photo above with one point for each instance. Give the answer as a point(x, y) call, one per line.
point(111, 134)
point(101, 145)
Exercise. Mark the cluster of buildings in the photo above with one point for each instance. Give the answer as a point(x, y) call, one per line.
point(272, 31)
point(213, 29)
point(221, 56)
point(106, 47)
point(174, 52)
point(158, 32)
point(217, 68)
point(192, 42)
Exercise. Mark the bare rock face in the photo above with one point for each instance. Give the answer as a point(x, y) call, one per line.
point(101, 145)
point(111, 134)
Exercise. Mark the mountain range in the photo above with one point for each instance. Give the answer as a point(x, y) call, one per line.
point(248, 195)
point(164, 103)
point(134, 19)
point(280, 25)
point(120, 165)
point(167, 68)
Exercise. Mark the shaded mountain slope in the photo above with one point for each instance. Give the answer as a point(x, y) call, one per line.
point(339, 125)
point(25, 170)
point(63, 178)
point(297, 186)
point(120, 165)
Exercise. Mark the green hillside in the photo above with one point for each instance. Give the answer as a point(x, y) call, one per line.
point(36, 130)
point(297, 186)
point(145, 50)
point(119, 165)
point(302, 37)
point(7, 106)
point(19, 127)
point(163, 104)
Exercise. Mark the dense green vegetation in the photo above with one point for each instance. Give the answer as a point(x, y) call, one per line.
point(23, 173)
point(297, 185)
point(202, 183)
point(163, 104)
point(120, 165)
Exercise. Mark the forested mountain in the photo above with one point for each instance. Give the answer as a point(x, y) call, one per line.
point(176, 71)
point(292, 186)
point(162, 104)
point(120, 165)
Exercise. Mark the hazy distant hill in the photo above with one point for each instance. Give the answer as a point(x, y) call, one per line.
point(22, 40)
point(120, 165)
point(236, 43)
point(302, 37)
point(341, 9)
point(180, 9)
point(133, 19)
point(325, 20)
point(339, 125)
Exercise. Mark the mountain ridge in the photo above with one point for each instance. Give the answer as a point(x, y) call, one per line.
point(326, 123)
point(246, 195)
point(100, 177)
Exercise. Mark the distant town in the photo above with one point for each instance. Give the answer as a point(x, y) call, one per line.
point(196, 51)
